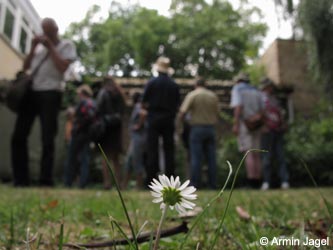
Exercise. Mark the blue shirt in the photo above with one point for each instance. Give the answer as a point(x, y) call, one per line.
point(247, 96)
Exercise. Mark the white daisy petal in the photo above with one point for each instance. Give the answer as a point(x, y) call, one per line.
point(180, 209)
point(154, 194)
point(172, 181)
point(190, 196)
point(158, 200)
point(185, 184)
point(156, 186)
point(156, 182)
point(188, 190)
point(167, 181)
point(163, 181)
point(187, 204)
point(170, 192)
point(177, 182)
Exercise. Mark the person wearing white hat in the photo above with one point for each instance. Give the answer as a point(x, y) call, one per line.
point(161, 100)
point(246, 102)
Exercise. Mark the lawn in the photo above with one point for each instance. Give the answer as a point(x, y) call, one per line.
point(36, 215)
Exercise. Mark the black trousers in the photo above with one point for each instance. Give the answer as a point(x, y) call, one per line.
point(160, 127)
point(45, 105)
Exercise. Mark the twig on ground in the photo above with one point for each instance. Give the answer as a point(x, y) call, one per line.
point(144, 237)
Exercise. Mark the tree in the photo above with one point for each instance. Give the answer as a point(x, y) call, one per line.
point(79, 33)
point(211, 39)
point(316, 18)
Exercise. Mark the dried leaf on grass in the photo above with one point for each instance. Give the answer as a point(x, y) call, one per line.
point(242, 213)
point(320, 227)
point(50, 205)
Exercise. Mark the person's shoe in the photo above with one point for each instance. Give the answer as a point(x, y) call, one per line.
point(285, 185)
point(265, 186)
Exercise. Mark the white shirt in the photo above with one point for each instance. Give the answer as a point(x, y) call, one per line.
point(48, 76)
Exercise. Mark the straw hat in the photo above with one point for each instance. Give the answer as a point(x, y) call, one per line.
point(85, 89)
point(242, 77)
point(162, 64)
point(266, 82)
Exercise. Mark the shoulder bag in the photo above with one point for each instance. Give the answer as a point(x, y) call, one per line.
point(19, 87)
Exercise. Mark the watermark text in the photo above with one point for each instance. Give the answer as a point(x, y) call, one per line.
point(292, 241)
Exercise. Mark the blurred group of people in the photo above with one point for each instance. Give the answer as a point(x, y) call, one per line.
point(259, 123)
point(154, 117)
point(109, 104)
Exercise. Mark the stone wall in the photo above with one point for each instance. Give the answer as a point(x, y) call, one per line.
point(286, 63)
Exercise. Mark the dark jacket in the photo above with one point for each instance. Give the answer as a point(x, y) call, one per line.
point(162, 98)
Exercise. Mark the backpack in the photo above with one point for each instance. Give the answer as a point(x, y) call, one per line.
point(254, 122)
point(273, 116)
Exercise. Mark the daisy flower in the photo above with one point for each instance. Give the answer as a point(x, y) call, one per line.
point(170, 192)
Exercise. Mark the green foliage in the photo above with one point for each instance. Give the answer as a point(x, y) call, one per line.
point(308, 140)
point(212, 39)
point(312, 141)
point(79, 32)
point(256, 72)
point(316, 19)
point(228, 151)
point(148, 38)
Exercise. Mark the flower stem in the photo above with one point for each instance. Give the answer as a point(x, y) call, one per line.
point(219, 227)
point(158, 233)
point(136, 246)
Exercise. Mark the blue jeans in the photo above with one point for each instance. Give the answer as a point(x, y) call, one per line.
point(135, 155)
point(78, 157)
point(273, 142)
point(202, 144)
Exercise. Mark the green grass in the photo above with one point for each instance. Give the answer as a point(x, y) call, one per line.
point(39, 214)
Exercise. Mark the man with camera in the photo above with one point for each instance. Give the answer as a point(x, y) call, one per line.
point(49, 58)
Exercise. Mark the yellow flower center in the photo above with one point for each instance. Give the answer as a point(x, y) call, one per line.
point(171, 196)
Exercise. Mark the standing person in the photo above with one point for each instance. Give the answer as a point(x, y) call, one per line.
point(137, 148)
point(78, 151)
point(70, 115)
point(161, 99)
point(185, 136)
point(272, 138)
point(44, 100)
point(203, 107)
point(111, 106)
point(247, 102)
